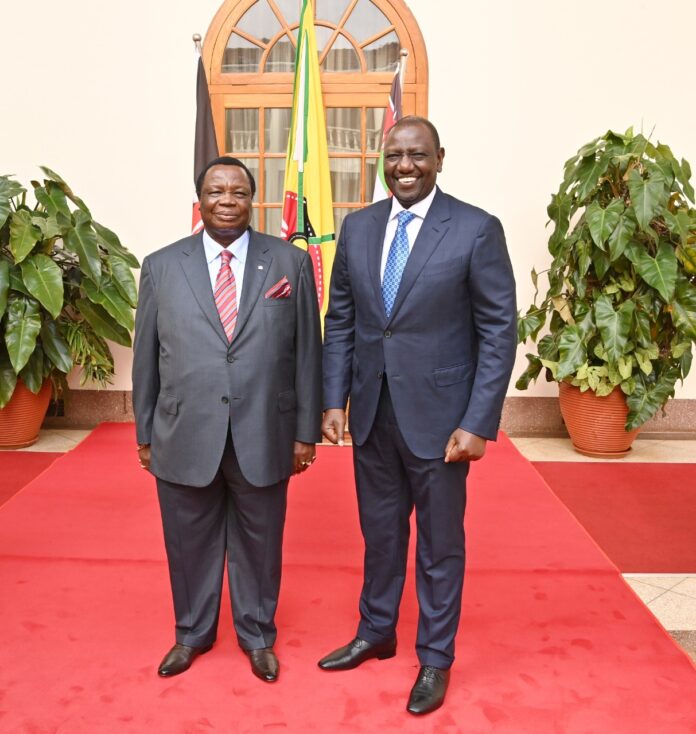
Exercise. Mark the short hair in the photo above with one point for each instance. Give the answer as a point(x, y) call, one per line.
point(418, 120)
point(224, 160)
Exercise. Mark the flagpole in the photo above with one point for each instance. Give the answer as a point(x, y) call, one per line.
point(402, 66)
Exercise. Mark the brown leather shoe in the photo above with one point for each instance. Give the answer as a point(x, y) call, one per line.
point(428, 692)
point(179, 659)
point(357, 651)
point(264, 663)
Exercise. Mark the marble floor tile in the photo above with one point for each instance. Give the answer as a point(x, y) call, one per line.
point(687, 587)
point(645, 592)
point(674, 611)
point(58, 440)
point(664, 581)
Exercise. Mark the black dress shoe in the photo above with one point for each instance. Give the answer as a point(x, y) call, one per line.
point(264, 664)
point(179, 659)
point(428, 693)
point(356, 652)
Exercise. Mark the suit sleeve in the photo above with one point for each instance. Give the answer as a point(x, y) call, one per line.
point(492, 290)
point(146, 383)
point(339, 331)
point(308, 357)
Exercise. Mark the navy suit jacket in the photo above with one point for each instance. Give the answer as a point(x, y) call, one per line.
point(448, 346)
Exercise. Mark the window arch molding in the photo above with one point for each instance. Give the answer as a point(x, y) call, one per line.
point(256, 74)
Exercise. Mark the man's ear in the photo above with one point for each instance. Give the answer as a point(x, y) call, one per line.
point(440, 158)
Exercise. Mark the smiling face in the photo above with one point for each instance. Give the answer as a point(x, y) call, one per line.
point(411, 162)
point(225, 203)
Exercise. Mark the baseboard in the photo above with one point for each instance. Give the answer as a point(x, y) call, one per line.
point(528, 416)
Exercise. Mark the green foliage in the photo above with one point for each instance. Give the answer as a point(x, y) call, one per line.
point(66, 286)
point(620, 309)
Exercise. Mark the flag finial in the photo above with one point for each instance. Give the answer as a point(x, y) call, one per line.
point(196, 37)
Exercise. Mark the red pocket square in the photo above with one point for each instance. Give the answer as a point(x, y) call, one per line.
point(282, 289)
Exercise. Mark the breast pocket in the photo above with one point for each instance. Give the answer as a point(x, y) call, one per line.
point(453, 267)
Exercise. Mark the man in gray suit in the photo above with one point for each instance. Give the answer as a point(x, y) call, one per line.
point(226, 393)
point(421, 335)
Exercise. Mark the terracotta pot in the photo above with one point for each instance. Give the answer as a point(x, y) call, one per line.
point(596, 425)
point(21, 418)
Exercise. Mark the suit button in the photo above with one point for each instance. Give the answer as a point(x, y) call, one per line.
point(230, 358)
point(387, 334)
point(225, 399)
point(380, 375)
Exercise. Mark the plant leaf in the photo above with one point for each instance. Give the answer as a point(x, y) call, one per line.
point(8, 377)
point(683, 174)
point(123, 279)
point(55, 347)
point(22, 327)
point(530, 374)
point(659, 272)
point(82, 240)
point(52, 198)
point(684, 308)
point(646, 400)
point(572, 350)
point(102, 322)
point(33, 373)
point(110, 242)
point(622, 234)
point(53, 176)
point(646, 197)
point(108, 296)
point(588, 174)
point(44, 280)
point(614, 326)
point(4, 285)
point(641, 327)
point(602, 222)
point(23, 235)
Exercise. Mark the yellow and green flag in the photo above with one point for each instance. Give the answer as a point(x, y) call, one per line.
point(307, 205)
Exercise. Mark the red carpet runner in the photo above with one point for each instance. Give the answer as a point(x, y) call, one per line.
point(551, 642)
point(643, 516)
point(18, 468)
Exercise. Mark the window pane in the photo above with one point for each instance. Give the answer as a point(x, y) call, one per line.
point(290, 10)
point(255, 218)
point(339, 216)
point(323, 34)
point(343, 129)
point(345, 179)
point(277, 123)
point(331, 10)
point(366, 21)
point(273, 219)
point(282, 56)
point(242, 131)
point(375, 121)
point(370, 177)
point(253, 165)
point(260, 21)
point(342, 56)
point(383, 54)
point(275, 180)
point(241, 56)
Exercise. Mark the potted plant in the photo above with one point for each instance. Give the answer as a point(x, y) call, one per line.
point(620, 308)
point(66, 287)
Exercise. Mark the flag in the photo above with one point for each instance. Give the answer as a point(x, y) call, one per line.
point(205, 147)
point(391, 115)
point(307, 205)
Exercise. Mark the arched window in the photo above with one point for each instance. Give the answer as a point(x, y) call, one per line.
point(249, 54)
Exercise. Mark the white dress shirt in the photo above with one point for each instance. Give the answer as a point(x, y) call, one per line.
point(238, 249)
point(420, 209)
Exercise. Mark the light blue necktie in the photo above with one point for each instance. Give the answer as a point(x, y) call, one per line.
point(396, 261)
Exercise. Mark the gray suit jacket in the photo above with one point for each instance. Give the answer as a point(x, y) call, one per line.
point(189, 384)
point(449, 345)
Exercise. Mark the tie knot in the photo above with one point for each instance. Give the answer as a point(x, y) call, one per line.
point(226, 256)
point(404, 217)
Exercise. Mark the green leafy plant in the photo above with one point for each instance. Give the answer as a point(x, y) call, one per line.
point(66, 287)
point(621, 300)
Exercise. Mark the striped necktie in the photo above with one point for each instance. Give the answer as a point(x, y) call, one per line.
point(396, 261)
point(226, 295)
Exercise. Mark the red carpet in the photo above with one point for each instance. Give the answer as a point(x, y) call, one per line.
point(643, 516)
point(552, 641)
point(18, 468)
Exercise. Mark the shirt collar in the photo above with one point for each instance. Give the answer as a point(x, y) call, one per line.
point(420, 209)
point(238, 248)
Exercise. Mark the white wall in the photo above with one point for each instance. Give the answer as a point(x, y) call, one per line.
point(104, 94)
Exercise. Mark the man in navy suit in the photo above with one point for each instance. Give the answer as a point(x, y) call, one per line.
point(421, 335)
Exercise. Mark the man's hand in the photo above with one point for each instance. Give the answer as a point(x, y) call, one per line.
point(464, 446)
point(144, 456)
point(305, 454)
point(334, 425)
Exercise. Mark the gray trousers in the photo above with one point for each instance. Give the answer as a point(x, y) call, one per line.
point(202, 525)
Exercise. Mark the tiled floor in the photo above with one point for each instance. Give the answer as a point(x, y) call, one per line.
point(670, 597)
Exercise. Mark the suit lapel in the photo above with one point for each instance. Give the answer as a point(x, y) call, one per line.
point(380, 216)
point(256, 270)
point(431, 232)
point(195, 269)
